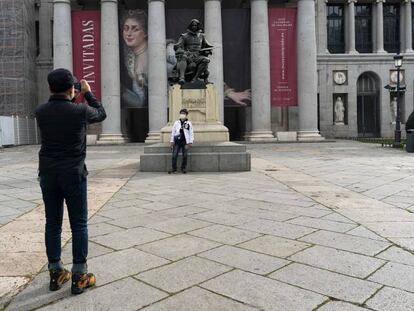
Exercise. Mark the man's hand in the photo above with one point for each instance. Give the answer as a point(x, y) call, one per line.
point(85, 87)
point(172, 145)
point(188, 146)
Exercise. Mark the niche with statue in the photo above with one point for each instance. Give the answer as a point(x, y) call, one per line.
point(393, 107)
point(340, 109)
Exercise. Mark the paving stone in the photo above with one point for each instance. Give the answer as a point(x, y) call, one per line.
point(96, 219)
point(397, 254)
point(178, 247)
point(94, 250)
point(391, 299)
point(181, 211)
point(365, 233)
point(178, 225)
point(393, 229)
point(322, 224)
point(267, 214)
point(116, 213)
point(275, 246)
point(224, 234)
point(223, 218)
point(263, 293)
point(126, 294)
point(183, 274)
point(129, 237)
point(244, 259)
point(346, 242)
point(395, 275)
point(339, 261)
point(327, 283)
point(407, 243)
point(337, 217)
point(340, 306)
point(117, 265)
point(101, 229)
point(277, 228)
point(134, 221)
point(198, 299)
point(37, 294)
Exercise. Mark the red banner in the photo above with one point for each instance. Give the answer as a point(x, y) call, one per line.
point(86, 42)
point(283, 63)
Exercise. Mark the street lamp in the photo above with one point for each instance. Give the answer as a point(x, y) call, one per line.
point(398, 60)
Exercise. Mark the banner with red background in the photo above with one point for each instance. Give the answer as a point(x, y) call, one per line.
point(86, 42)
point(283, 63)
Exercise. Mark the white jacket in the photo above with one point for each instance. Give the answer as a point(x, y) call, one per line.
point(188, 131)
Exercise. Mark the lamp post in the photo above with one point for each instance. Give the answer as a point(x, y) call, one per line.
point(398, 59)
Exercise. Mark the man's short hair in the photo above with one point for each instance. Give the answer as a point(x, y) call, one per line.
point(184, 111)
point(60, 80)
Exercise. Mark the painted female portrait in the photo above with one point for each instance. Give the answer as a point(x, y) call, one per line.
point(135, 59)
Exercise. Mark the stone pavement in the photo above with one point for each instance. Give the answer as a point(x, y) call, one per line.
point(326, 226)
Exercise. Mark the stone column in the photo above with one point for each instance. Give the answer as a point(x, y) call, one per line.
point(44, 61)
point(380, 27)
point(351, 27)
point(307, 72)
point(260, 72)
point(157, 70)
point(322, 29)
point(213, 31)
point(110, 75)
point(62, 35)
point(408, 27)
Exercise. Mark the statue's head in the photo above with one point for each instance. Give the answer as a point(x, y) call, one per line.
point(195, 25)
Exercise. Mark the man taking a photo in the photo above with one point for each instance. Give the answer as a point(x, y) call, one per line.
point(62, 174)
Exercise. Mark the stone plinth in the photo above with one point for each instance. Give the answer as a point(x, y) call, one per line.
point(202, 157)
point(203, 109)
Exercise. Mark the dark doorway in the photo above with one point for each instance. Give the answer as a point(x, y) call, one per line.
point(368, 113)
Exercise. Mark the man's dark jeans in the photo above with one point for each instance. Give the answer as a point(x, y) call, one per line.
point(72, 188)
point(176, 152)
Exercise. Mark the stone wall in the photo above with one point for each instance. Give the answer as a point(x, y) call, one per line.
point(17, 57)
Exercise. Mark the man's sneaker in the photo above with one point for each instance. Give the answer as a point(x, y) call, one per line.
point(82, 281)
point(57, 278)
point(172, 171)
point(184, 171)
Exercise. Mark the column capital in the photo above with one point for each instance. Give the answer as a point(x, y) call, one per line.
point(408, 1)
point(215, 0)
point(352, 1)
point(61, 1)
point(380, 1)
point(114, 1)
point(156, 1)
point(262, 0)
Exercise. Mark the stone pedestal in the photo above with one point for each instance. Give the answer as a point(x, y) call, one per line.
point(211, 151)
point(203, 109)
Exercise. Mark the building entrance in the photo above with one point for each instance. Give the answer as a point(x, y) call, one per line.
point(368, 106)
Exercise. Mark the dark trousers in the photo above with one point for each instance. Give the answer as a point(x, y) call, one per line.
point(72, 188)
point(176, 151)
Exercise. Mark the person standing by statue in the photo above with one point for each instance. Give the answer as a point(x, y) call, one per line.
point(192, 50)
point(182, 138)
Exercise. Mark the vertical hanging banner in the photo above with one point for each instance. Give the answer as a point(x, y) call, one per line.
point(283, 62)
point(86, 45)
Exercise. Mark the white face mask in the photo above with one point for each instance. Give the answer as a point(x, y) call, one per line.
point(183, 116)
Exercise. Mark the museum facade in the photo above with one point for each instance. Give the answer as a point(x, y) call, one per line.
point(283, 70)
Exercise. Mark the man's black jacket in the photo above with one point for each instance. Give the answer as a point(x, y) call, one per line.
point(63, 133)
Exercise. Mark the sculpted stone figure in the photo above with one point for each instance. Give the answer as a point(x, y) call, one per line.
point(339, 111)
point(192, 50)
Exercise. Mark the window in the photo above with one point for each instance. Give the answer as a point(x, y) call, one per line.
point(37, 38)
point(336, 35)
point(363, 28)
point(392, 28)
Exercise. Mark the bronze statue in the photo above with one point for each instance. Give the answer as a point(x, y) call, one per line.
point(191, 51)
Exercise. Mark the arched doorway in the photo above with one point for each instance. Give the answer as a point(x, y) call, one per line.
point(368, 108)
